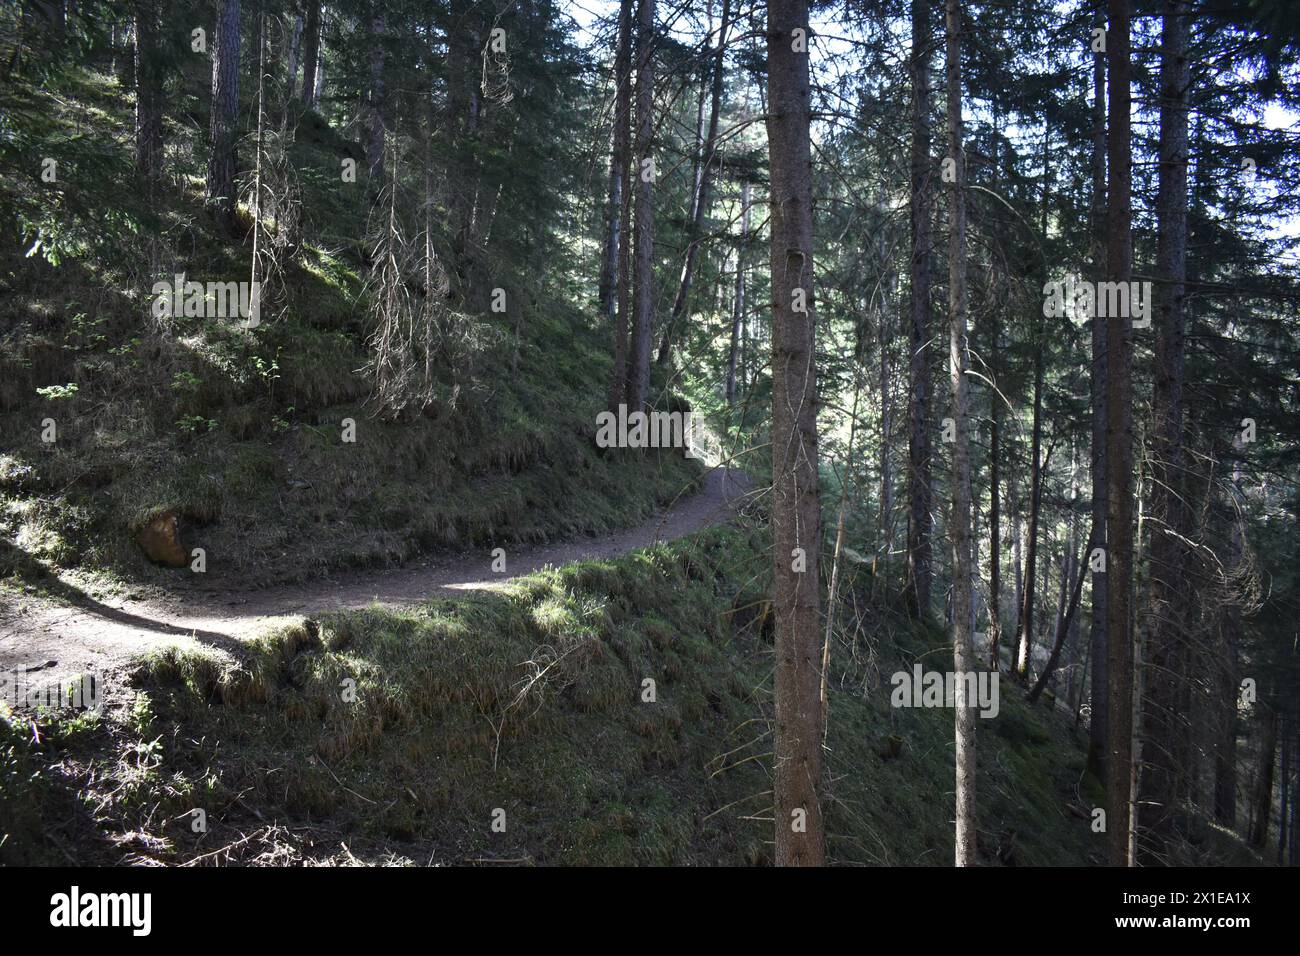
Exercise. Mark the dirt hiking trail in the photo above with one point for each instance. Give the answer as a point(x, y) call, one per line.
point(82, 634)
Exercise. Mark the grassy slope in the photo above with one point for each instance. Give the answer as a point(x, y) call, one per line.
point(529, 700)
point(241, 432)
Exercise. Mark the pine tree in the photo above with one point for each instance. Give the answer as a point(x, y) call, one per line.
point(225, 111)
point(921, 206)
point(638, 373)
point(796, 518)
point(1119, 447)
point(960, 522)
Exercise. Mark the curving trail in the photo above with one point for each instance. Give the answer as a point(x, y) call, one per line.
point(83, 634)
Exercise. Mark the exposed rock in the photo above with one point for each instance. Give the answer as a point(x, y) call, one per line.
point(160, 539)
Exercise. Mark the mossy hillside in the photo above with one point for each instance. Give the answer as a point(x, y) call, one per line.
point(529, 700)
point(240, 431)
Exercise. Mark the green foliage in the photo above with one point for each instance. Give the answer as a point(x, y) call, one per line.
point(239, 430)
point(57, 392)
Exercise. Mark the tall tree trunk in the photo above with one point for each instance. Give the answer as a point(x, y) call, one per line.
point(1072, 655)
point(1228, 674)
point(310, 52)
point(1025, 628)
point(1163, 719)
point(919, 519)
point(225, 110)
point(1262, 798)
point(700, 206)
point(1083, 674)
point(464, 103)
point(123, 62)
point(796, 519)
point(1291, 838)
point(376, 107)
point(623, 317)
point(738, 296)
point(319, 88)
point(884, 335)
point(960, 522)
point(1119, 446)
point(1066, 600)
point(148, 92)
point(1284, 795)
point(293, 53)
point(259, 141)
point(1097, 724)
point(1017, 559)
point(995, 520)
point(1225, 750)
point(609, 262)
point(845, 488)
point(1064, 616)
point(994, 349)
point(638, 384)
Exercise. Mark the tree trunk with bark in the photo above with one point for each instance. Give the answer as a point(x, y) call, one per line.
point(464, 103)
point(225, 112)
point(919, 519)
point(886, 497)
point(796, 519)
point(700, 206)
point(960, 522)
point(1097, 725)
point(1017, 558)
point(1225, 751)
point(1119, 447)
point(1064, 617)
point(638, 375)
point(1025, 612)
point(148, 92)
point(738, 295)
point(293, 54)
point(1025, 623)
point(1163, 719)
point(1284, 795)
point(376, 105)
point(1262, 798)
point(311, 53)
point(259, 143)
point(995, 526)
point(611, 277)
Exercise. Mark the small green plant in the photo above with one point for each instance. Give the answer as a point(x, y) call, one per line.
point(185, 382)
point(268, 372)
point(196, 424)
point(140, 716)
point(148, 754)
point(56, 392)
point(85, 334)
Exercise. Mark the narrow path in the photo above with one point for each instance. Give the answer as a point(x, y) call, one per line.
point(86, 635)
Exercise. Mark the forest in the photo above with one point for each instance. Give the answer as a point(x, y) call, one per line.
point(649, 433)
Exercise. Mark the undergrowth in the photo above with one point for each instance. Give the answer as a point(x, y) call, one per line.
point(402, 736)
point(110, 415)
